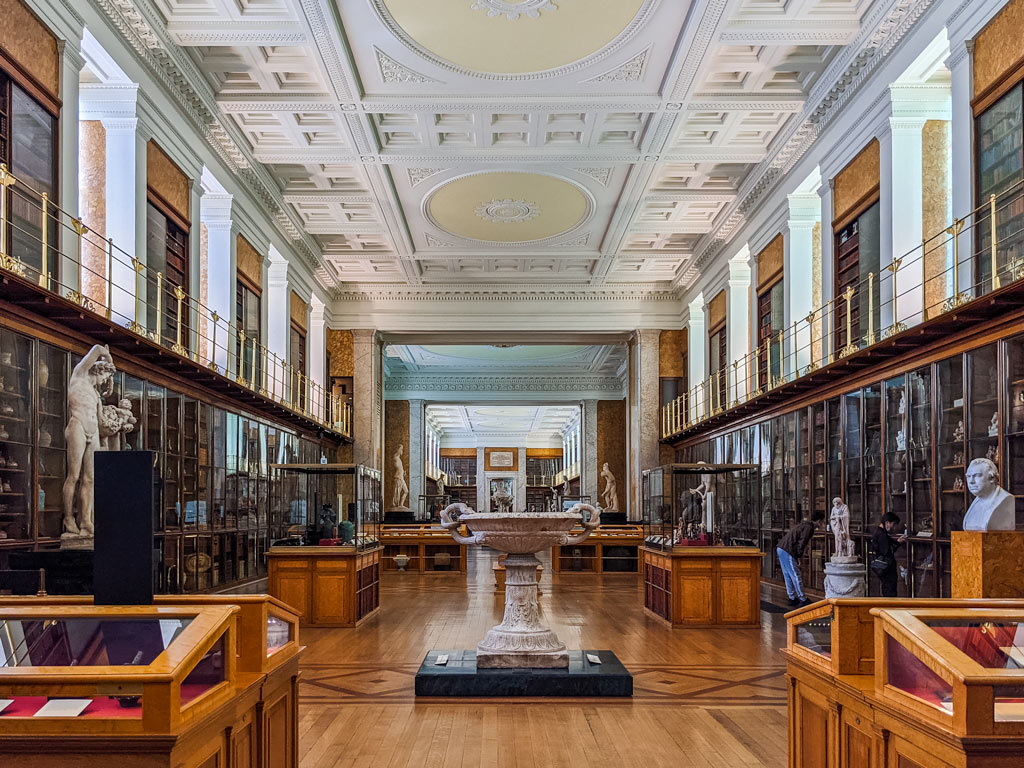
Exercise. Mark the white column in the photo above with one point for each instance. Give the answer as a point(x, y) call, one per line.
point(962, 135)
point(482, 502)
point(220, 266)
point(195, 258)
point(278, 319)
point(72, 62)
point(520, 500)
point(903, 298)
point(417, 444)
point(696, 354)
point(798, 269)
point(317, 341)
point(737, 319)
point(143, 133)
point(366, 406)
point(589, 484)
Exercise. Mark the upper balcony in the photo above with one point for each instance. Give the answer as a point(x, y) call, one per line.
point(140, 312)
point(875, 319)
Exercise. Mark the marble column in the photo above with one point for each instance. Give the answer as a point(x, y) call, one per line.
point(316, 357)
point(366, 405)
point(903, 297)
point(481, 482)
point(140, 205)
point(645, 416)
point(962, 133)
point(417, 443)
point(798, 271)
point(195, 278)
point(591, 471)
point(220, 268)
point(278, 324)
point(72, 62)
point(696, 353)
point(827, 270)
point(520, 500)
point(886, 293)
point(737, 318)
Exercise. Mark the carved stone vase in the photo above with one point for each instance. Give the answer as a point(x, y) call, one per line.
point(521, 639)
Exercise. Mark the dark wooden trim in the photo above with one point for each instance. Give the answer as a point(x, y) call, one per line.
point(775, 280)
point(167, 209)
point(1012, 77)
point(249, 284)
point(48, 101)
point(865, 201)
point(713, 329)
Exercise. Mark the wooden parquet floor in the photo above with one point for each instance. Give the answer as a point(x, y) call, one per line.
point(701, 697)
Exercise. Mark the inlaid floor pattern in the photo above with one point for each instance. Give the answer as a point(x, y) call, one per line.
point(701, 697)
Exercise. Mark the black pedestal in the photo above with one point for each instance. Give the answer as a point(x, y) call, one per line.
point(67, 573)
point(460, 677)
point(399, 517)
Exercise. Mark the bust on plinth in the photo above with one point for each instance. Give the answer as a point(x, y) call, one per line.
point(988, 555)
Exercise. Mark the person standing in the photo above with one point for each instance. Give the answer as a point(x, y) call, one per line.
point(790, 549)
point(884, 547)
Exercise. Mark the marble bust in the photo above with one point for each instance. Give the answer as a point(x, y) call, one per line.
point(993, 509)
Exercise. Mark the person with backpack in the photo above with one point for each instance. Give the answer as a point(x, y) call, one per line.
point(884, 547)
point(790, 549)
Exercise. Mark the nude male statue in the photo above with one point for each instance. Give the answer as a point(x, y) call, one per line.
point(611, 493)
point(91, 380)
point(400, 494)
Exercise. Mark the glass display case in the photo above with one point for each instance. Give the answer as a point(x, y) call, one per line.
point(963, 668)
point(147, 666)
point(698, 505)
point(339, 504)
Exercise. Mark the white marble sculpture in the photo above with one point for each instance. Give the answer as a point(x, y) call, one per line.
point(116, 421)
point(521, 640)
point(440, 485)
point(993, 509)
point(844, 575)
point(501, 499)
point(86, 432)
point(400, 494)
point(610, 496)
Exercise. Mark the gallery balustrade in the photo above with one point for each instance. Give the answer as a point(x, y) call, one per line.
point(908, 291)
point(41, 242)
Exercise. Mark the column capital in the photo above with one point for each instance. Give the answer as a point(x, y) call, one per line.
point(804, 209)
point(71, 55)
point(696, 310)
point(216, 208)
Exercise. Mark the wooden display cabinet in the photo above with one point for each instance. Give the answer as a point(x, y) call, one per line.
point(327, 586)
point(422, 544)
point(865, 677)
point(703, 586)
point(610, 549)
point(209, 683)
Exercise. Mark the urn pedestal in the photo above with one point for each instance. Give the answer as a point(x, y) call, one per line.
point(987, 564)
point(844, 577)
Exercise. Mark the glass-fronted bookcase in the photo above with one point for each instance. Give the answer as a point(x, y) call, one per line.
point(212, 513)
point(901, 445)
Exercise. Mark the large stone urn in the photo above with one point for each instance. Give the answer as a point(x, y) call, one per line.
point(520, 640)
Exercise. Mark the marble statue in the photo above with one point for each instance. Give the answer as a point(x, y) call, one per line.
point(839, 521)
point(90, 381)
point(993, 509)
point(400, 494)
point(901, 441)
point(610, 496)
point(993, 426)
point(116, 421)
point(958, 430)
point(903, 402)
point(440, 484)
point(501, 499)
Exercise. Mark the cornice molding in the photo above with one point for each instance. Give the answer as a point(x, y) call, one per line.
point(501, 383)
point(449, 293)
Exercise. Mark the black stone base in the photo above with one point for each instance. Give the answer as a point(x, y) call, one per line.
point(460, 677)
point(399, 517)
point(67, 573)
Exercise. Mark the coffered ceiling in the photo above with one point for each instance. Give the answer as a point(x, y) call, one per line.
point(553, 143)
point(513, 424)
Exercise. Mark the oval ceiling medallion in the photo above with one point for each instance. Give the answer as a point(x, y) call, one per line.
point(508, 207)
point(513, 40)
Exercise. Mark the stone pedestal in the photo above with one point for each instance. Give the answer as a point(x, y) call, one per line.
point(844, 577)
point(987, 564)
point(521, 640)
point(499, 576)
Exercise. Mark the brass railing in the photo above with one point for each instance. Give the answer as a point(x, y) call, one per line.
point(888, 303)
point(41, 242)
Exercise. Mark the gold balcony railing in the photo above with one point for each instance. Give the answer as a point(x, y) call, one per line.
point(41, 242)
point(978, 254)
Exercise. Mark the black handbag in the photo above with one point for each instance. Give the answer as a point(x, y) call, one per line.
point(880, 565)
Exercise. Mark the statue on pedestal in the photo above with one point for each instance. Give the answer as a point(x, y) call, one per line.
point(993, 509)
point(400, 494)
point(839, 521)
point(844, 576)
point(610, 496)
point(91, 426)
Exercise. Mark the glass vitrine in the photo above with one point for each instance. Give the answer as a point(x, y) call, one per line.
point(698, 505)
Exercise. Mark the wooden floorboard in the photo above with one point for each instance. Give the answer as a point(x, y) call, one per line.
point(701, 697)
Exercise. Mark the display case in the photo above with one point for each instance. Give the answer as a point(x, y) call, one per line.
point(430, 506)
point(697, 504)
point(961, 669)
point(148, 685)
point(608, 549)
point(428, 549)
point(910, 682)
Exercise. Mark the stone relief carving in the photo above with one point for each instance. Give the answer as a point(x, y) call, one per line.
point(630, 72)
point(392, 71)
point(513, 11)
point(507, 211)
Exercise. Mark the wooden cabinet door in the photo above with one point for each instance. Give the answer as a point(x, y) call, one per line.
point(738, 591)
point(334, 593)
point(695, 602)
point(292, 587)
point(857, 742)
point(280, 749)
point(244, 748)
point(811, 737)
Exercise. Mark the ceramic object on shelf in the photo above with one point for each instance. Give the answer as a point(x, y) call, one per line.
point(44, 373)
point(401, 561)
point(45, 438)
